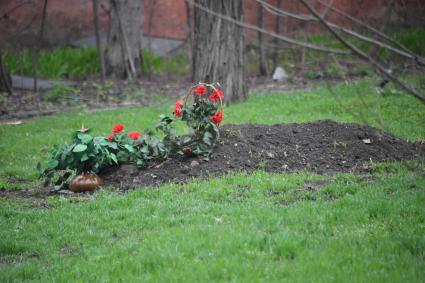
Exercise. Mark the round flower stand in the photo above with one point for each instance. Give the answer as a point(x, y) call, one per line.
point(85, 182)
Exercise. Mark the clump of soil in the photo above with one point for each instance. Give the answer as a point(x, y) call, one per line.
point(323, 147)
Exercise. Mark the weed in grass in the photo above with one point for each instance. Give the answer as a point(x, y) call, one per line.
point(103, 91)
point(335, 70)
point(359, 69)
point(136, 93)
point(311, 74)
point(3, 100)
point(61, 92)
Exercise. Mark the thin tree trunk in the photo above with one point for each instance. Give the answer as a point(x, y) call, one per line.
point(262, 64)
point(99, 43)
point(125, 38)
point(373, 50)
point(218, 47)
point(277, 31)
point(190, 36)
point(5, 82)
point(150, 22)
point(34, 58)
point(40, 42)
point(148, 60)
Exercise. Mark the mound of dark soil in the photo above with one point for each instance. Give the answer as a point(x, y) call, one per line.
point(322, 147)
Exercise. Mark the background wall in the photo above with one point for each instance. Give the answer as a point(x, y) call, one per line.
point(71, 20)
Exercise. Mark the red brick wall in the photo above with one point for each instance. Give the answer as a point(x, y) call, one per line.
point(70, 20)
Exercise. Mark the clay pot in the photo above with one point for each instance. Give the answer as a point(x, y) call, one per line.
point(187, 151)
point(85, 182)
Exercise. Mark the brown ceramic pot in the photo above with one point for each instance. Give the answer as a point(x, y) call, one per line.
point(85, 182)
point(187, 151)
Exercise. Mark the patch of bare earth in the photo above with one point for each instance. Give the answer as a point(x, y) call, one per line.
point(323, 147)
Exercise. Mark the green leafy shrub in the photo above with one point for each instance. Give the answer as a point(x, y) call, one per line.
point(201, 109)
point(85, 154)
point(67, 63)
point(78, 63)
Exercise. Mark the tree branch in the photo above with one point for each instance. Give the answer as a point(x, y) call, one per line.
point(280, 37)
point(370, 28)
point(363, 55)
point(11, 10)
point(408, 54)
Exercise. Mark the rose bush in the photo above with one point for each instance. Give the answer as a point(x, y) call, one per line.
point(200, 109)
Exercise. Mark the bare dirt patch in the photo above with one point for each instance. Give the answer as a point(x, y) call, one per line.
point(323, 147)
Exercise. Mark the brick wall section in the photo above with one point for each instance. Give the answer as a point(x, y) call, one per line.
point(70, 20)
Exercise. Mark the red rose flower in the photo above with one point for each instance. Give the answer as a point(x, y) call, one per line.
point(217, 118)
point(111, 138)
point(216, 95)
point(178, 108)
point(117, 129)
point(134, 135)
point(200, 90)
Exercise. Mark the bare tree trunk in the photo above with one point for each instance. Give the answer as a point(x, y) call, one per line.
point(5, 81)
point(98, 42)
point(125, 38)
point(262, 64)
point(373, 50)
point(277, 31)
point(35, 54)
point(148, 59)
point(40, 42)
point(150, 22)
point(190, 35)
point(218, 47)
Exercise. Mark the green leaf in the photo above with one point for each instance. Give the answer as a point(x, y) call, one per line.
point(166, 119)
point(112, 145)
point(114, 158)
point(38, 168)
point(207, 138)
point(100, 141)
point(79, 148)
point(85, 138)
point(52, 163)
point(122, 156)
point(84, 157)
point(130, 148)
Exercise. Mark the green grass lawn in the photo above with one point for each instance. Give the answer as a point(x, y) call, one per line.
point(258, 227)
